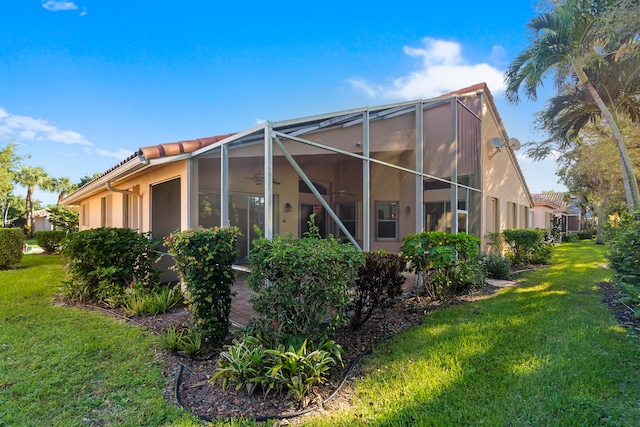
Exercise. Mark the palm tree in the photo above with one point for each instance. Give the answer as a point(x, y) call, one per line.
point(31, 177)
point(562, 44)
point(566, 115)
point(63, 186)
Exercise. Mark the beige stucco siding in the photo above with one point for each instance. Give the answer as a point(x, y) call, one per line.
point(501, 181)
point(91, 208)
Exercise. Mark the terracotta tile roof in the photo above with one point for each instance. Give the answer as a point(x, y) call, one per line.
point(554, 200)
point(181, 147)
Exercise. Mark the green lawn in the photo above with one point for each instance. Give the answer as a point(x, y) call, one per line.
point(68, 366)
point(545, 353)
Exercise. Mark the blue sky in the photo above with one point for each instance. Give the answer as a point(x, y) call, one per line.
point(84, 83)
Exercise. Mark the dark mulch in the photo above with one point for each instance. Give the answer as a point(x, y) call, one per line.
point(611, 295)
point(209, 400)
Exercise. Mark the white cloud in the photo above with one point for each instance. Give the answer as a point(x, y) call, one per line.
point(260, 121)
point(84, 11)
point(121, 154)
point(28, 128)
point(57, 5)
point(443, 69)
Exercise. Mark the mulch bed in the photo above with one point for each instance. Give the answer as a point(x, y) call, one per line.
point(208, 400)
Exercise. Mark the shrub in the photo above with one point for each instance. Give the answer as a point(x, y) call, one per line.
point(527, 247)
point(623, 253)
point(11, 241)
point(379, 281)
point(497, 267)
point(104, 262)
point(301, 285)
point(446, 264)
point(50, 240)
point(570, 237)
point(588, 233)
point(204, 258)
point(64, 218)
point(296, 371)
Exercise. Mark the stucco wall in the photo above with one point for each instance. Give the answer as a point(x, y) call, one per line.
point(141, 185)
point(500, 180)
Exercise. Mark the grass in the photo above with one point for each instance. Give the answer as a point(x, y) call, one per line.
point(70, 367)
point(546, 352)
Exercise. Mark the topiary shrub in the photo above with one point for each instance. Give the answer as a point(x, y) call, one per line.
point(50, 240)
point(11, 241)
point(379, 282)
point(527, 247)
point(301, 285)
point(446, 264)
point(104, 262)
point(204, 259)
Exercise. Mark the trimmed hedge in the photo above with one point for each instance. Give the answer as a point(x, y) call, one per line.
point(50, 240)
point(446, 263)
point(204, 259)
point(104, 262)
point(302, 285)
point(11, 241)
point(527, 246)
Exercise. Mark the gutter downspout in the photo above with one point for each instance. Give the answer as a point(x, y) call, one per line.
point(117, 190)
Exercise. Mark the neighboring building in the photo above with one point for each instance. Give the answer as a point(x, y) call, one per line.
point(41, 221)
point(371, 175)
point(560, 205)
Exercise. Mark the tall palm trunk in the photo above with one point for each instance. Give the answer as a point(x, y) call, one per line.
point(29, 210)
point(628, 174)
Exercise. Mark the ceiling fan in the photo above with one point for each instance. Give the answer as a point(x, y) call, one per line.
point(341, 191)
point(259, 179)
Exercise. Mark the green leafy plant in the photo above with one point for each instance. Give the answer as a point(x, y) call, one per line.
point(527, 246)
point(11, 241)
point(64, 218)
point(204, 258)
point(292, 370)
point(188, 341)
point(157, 301)
point(623, 253)
point(446, 264)
point(496, 266)
point(379, 282)
point(301, 285)
point(104, 262)
point(244, 364)
point(50, 240)
point(298, 371)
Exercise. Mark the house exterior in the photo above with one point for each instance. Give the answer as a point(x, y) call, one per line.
point(370, 175)
point(559, 205)
point(41, 221)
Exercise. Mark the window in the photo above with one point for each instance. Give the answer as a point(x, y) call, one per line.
point(493, 212)
point(85, 215)
point(438, 216)
point(130, 211)
point(387, 220)
point(524, 215)
point(348, 214)
point(105, 211)
point(512, 215)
